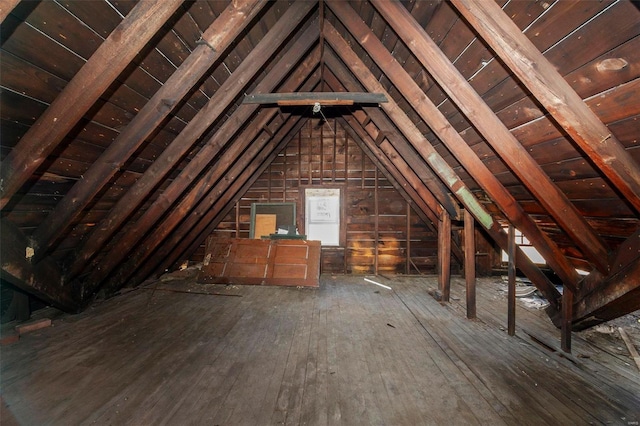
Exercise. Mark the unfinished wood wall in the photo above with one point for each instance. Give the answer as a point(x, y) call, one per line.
point(378, 219)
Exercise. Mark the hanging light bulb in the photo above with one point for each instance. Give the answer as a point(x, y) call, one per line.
point(316, 107)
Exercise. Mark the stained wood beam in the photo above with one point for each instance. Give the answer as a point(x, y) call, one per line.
point(197, 203)
point(44, 279)
point(604, 297)
point(180, 185)
point(441, 127)
point(435, 161)
point(6, 7)
point(555, 94)
point(511, 276)
point(470, 263)
point(196, 228)
point(444, 257)
point(495, 132)
point(181, 145)
point(95, 76)
point(218, 37)
point(311, 98)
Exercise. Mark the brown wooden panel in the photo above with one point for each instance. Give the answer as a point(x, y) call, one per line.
point(261, 262)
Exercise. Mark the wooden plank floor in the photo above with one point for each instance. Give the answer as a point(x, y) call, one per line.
point(347, 353)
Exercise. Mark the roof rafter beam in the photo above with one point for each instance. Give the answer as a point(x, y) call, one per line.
point(230, 89)
point(441, 127)
point(201, 198)
point(495, 132)
point(558, 97)
point(195, 229)
point(219, 36)
point(435, 161)
point(208, 153)
point(95, 76)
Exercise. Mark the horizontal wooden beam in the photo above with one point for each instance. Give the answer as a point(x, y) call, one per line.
point(312, 98)
point(96, 75)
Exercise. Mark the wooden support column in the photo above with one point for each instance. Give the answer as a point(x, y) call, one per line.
point(555, 94)
point(567, 315)
point(444, 256)
point(95, 76)
point(470, 263)
point(511, 293)
point(407, 266)
point(495, 132)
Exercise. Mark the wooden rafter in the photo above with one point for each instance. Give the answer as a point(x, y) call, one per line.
point(181, 184)
point(193, 231)
point(196, 127)
point(235, 17)
point(439, 124)
point(97, 74)
point(435, 161)
point(495, 132)
point(555, 94)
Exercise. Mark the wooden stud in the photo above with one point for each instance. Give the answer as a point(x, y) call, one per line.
point(470, 263)
point(511, 291)
point(444, 256)
point(6, 7)
point(567, 315)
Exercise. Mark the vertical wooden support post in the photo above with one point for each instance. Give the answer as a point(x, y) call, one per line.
point(444, 255)
point(511, 294)
point(470, 263)
point(407, 267)
point(376, 221)
point(237, 219)
point(567, 314)
point(346, 180)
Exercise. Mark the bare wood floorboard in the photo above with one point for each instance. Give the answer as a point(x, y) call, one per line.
point(346, 353)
